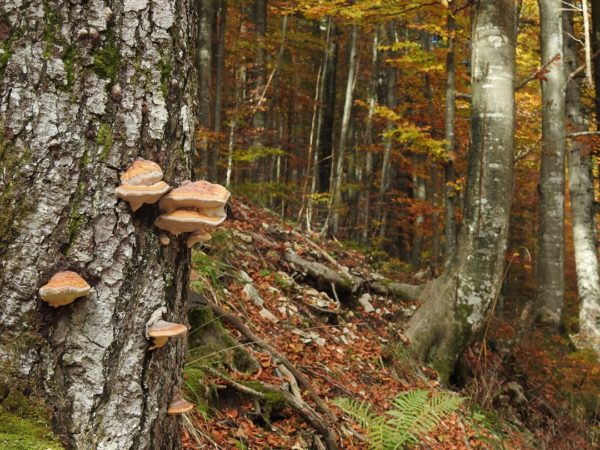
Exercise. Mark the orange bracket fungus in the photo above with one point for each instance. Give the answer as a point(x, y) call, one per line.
point(179, 406)
point(193, 207)
point(160, 330)
point(142, 183)
point(63, 288)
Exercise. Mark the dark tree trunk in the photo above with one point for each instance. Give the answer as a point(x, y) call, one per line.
point(220, 63)
point(326, 130)
point(77, 107)
point(259, 121)
point(596, 61)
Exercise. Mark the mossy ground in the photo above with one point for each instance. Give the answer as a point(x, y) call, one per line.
point(24, 425)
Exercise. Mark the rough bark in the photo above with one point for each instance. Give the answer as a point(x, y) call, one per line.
point(456, 304)
point(551, 240)
point(67, 131)
point(581, 186)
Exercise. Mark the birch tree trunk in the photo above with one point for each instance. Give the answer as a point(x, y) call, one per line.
point(581, 186)
point(259, 121)
point(551, 239)
point(84, 92)
point(457, 303)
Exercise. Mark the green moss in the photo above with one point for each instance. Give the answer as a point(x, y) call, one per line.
point(69, 57)
point(24, 424)
point(165, 75)
point(51, 29)
point(104, 139)
point(14, 207)
point(106, 61)
point(76, 219)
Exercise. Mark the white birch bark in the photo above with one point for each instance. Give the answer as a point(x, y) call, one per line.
point(67, 131)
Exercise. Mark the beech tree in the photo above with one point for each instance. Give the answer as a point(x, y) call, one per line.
point(458, 302)
point(85, 89)
point(581, 186)
point(550, 260)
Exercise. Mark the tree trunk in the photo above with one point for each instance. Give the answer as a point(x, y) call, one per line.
point(457, 303)
point(328, 110)
point(596, 61)
point(581, 186)
point(259, 121)
point(449, 119)
point(386, 165)
point(336, 198)
point(205, 31)
point(550, 260)
point(213, 169)
point(368, 170)
point(84, 92)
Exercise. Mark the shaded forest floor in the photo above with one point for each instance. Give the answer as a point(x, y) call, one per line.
point(538, 393)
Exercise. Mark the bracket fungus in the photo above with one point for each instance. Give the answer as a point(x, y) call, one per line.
point(193, 208)
point(63, 288)
point(161, 330)
point(142, 183)
point(179, 406)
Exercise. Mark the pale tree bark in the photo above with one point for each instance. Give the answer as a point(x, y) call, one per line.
point(449, 136)
point(581, 186)
point(205, 56)
point(551, 239)
point(85, 91)
point(457, 303)
point(336, 195)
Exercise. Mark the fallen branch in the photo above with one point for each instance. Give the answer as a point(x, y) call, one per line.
point(295, 402)
point(323, 275)
point(402, 291)
point(237, 323)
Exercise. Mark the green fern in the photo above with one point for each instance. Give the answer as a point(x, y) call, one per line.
point(413, 414)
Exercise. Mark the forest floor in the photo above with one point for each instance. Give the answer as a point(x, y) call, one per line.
point(534, 394)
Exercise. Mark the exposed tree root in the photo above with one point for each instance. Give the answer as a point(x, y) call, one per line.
point(294, 401)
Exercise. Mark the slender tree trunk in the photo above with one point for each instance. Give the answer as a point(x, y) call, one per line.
point(550, 260)
point(326, 124)
point(336, 197)
point(368, 171)
point(581, 186)
point(68, 131)
point(449, 119)
point(457, 303)
point(596, 61)
point(259, 121)
point(206, 10)
point(218, 116)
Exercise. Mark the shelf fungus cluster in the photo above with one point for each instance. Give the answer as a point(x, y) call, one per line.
point(160, 330)
point(63, 288)
point(142, 183)
point(193, 208)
